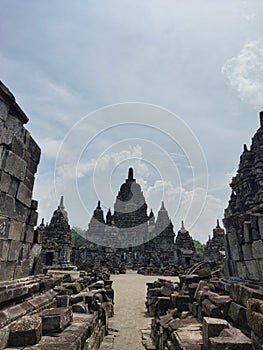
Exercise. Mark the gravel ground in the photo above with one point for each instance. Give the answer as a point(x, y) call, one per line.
point(129, 318)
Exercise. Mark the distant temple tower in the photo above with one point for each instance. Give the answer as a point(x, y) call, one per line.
point(57, 245)
point(244, 215)
point(185, 248)
point(215, 247)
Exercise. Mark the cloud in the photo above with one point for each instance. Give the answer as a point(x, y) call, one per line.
point(245, 73)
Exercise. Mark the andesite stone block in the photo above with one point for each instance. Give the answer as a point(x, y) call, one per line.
point(7, 205)
point(26, 331)
point(16, 230)
point(257, 249)
point(15, 166)
point(4, 227)
point(5, 180)
point(212, 328)
point(14, 250)
point(24, 195)
point(56, 319)
point(4, 250)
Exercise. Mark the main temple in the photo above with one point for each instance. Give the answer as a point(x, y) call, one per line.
point(132, 234)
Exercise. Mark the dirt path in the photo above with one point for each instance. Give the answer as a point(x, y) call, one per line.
point(129, 319)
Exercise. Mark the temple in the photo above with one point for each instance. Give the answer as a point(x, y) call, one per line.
point(131, 237)
point(244, 215)
point(57, 246)
point(215, 247)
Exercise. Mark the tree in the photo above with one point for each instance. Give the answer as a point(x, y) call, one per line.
point(78, 237)
point(199, 248)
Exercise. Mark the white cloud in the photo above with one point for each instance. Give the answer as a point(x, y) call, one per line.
point(245, 73)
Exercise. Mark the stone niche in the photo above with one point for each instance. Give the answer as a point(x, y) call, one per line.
point(19, 158)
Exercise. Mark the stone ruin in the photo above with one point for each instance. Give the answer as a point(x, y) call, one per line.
point(215, 247)
point(37, 311)
point(131, 238)
point(20, 247)
point(57, 245)
point(244, 215)
point(218, 313)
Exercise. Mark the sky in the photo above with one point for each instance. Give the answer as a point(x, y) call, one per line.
point(172, 88)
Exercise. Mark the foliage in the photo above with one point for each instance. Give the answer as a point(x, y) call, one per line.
point(78, 237)
point(199, 248)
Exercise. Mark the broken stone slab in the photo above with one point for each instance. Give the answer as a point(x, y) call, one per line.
point(56, 319)
point(212, 327)
point(237, 314)
point(232, 339)
point(80, 308)
point(26, 331)
point(188, 337)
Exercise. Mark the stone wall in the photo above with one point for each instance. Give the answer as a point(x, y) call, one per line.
point(19, 158)
point(244, 215)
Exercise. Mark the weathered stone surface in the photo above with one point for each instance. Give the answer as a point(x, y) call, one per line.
point(80, 308)
point(26, 331)
point(212, 328)
point(24, 195)
point(4, 227)
point(231, 338)
point(55, 320)
point(257, 249)
point(29, 234)
point(7, 205)
point(255, 316)
point(4, 250)
point(14, 251)
point(186, 338)
point(238, 314)
point(15, 166)
point(4, 337)
point(16, 231)
point(5, 181)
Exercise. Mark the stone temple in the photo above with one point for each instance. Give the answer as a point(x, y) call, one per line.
point(57, 246)
point(132, 235)
point(244, 215)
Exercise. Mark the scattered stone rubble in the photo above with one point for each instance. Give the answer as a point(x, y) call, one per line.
point(204, 314)
point(50, 312)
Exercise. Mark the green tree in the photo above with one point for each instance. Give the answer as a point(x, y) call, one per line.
point(200, 247)
point(78, 237)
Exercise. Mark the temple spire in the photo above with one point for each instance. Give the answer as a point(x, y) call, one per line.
point(245, 148)
point(130, 174)
point(61, 204)
point(217, 224)
point(162, 206)
point(98, 206)
point(182, 225)
point(261, 118)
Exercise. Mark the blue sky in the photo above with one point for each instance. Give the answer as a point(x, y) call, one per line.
point(202, 60)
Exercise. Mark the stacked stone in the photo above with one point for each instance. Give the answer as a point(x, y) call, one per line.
point(185, 248)
point(19, 158)
point(57, 245)
point(215, 248)
point(244, 216)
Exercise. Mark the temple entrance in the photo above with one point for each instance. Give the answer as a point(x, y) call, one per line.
point(49, 258)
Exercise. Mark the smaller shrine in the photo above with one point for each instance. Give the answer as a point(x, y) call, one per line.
point(215, 247)
point(185, 252)
point(57, 245)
